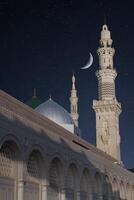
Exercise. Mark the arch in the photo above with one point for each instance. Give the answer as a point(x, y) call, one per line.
point(10, 154)
point(72, 182)
point(56, 174)
point(97, 185)
point(41, 156)
point(38, 148)
point(10, 169)
point(13, 139)
point(35, 165)
point(107, 188)
point(35, 175)
point(56, 155)
point(74, 162)
point(85, 185)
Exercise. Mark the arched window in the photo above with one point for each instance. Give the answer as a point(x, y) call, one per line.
point(7, 157)
point(35, 175)
point(107, 189)
point(71, 182)
point(55, 173)
point(85, 185)
point(34, 165)
point(9, 154)
point(55, 179)
point(97, 185)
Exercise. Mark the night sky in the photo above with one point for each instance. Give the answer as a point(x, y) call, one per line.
point(42, 42)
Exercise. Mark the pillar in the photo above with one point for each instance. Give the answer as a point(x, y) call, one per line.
point(20, 189)
point(44, 192)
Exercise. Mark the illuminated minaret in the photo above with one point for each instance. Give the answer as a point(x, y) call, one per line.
point(74, 103)
point(107, 108)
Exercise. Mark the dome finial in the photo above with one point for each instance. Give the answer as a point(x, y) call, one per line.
point(34, 93)
point(73, 81)
point(34, 101)
point(73, 72)
point(50, 97)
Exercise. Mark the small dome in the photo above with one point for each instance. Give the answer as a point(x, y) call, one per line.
point(55, 112)
point(33, 102)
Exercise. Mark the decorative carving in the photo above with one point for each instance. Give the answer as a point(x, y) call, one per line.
point(33, 165)
point(105, 133)
point(6, 161)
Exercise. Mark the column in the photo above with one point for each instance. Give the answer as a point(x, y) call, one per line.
point(20, 189)
point(89, 196)
point(62, 194)
point(100, 197)
point(78, 195)
point(44, 192)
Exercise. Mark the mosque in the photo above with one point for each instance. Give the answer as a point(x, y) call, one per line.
point(42, 154)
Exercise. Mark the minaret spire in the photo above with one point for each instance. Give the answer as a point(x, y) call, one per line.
point(105, 19)
point(74, 102)
point(107, 108)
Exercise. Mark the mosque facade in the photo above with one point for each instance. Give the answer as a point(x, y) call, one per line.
point(43, 157)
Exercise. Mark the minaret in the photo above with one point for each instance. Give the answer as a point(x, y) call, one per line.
point(73, 103)
point(107, 108)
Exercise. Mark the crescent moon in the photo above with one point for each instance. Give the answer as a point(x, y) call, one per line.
point(90, 62)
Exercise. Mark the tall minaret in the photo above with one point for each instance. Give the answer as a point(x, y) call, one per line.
point(73, 103)
point(107, 108)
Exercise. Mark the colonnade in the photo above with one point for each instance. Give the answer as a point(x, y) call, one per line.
point(35, 178)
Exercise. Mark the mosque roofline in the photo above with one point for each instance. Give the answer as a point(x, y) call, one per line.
point(18, 108)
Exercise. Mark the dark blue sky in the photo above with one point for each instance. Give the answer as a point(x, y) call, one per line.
point(41, 43)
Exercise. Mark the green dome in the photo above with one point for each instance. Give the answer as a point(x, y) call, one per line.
point(33, 102)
